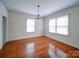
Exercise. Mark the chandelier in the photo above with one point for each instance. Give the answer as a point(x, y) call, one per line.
point(38, 15)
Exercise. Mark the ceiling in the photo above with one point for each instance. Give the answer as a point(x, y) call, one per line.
point(46, 6)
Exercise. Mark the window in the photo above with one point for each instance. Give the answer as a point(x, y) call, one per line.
point(52, 25)
point(59, 25)
point(62, 25)
point(30, 23)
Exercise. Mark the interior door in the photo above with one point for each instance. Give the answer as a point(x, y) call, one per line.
point(1, 32)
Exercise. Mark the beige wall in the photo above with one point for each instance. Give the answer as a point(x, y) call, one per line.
point(17, 26)
point(73, 37)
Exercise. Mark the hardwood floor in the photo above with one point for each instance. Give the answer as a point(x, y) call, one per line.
point(37, 47)
point(64, 50)
point(32, 47)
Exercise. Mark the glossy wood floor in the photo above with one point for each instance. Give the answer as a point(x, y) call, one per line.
point(38, 47)
point(32, 47)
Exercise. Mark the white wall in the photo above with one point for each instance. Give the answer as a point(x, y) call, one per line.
point(3, 12)
point(73, 38)
point(17, 26)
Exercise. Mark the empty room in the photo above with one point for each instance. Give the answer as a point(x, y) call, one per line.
point(39, 28)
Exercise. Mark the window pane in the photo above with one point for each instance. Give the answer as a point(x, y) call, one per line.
point(62, 21)
point(52, 29)
point(52, 25)
point(52, 22)
point(62, 30)
point(30, 22)
point(30, 25)
point(30, 29)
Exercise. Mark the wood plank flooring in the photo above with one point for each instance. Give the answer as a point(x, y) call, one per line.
point(32, 47)
point(69, 51)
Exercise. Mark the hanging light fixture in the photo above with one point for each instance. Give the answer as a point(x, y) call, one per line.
point(38, 15)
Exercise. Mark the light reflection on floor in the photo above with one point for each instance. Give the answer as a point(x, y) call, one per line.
point(30, 49)
point(51, 50)
point(55, 52)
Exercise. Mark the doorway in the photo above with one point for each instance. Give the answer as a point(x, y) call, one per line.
point(4, 29)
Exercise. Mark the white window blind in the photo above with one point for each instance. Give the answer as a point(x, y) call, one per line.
point(62, 25)
point(52, 25)
point(59, 25)
point(30, 25)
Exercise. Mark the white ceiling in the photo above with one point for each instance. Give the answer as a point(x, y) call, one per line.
point(46, 6)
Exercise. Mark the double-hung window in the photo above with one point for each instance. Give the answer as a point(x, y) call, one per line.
point(62, 25)
point(52, 25)
point(59, 25)
point(30, 25)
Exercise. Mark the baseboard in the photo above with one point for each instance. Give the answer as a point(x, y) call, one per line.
point(25, 37)
point(1, 48)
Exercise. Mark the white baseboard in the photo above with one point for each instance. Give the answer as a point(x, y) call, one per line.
point(1, 46)
point(24, 37)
